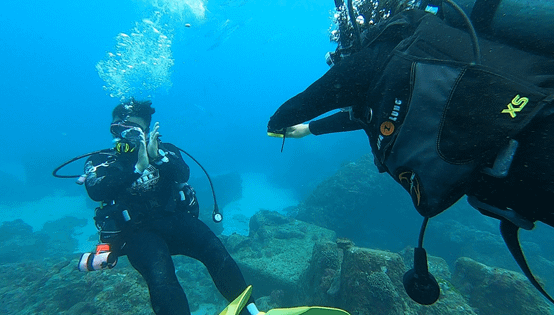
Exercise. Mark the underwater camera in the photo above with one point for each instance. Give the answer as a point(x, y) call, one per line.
point(103, 258)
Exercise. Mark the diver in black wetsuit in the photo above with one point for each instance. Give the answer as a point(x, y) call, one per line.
point(445, 117)
point(377, 87)
point(151, 212)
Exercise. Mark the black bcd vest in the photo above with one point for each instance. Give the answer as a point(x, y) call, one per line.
point(440, 116)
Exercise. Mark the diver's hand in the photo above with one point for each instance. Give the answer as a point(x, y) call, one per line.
point(142, 162)
point(153, 142)
point(298, 131)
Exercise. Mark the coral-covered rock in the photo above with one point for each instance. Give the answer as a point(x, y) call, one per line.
point(289, 263)
point(371, 283)
point(436, 265)
point(320, 283)
point(278, 254)
point(19, 243)
point(55, 286)
point(497, 291)
point(360, 204)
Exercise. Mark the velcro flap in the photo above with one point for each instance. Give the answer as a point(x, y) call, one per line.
point(484, 111)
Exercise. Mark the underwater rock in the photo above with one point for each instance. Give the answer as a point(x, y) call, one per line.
point(371, 283)
point(18, 242)
point(315, 269)
point(452, 239)
point(497, 291)
point(321, 281)
point(236, 242)
point(267, 218)
point(278, 253)
point(438, 267)
point(55, 286)
point(61, 234)
point(337, 274)
point(362, 205)
point(264, 303)
point(375, 212)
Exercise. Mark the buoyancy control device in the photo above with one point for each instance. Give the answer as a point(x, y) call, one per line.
point(525, 26)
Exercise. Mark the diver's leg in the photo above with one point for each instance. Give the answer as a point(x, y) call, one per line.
point(196, 240)
point(222, 267)
point(149, 255)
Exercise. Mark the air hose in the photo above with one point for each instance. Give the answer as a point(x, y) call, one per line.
point(216, 215)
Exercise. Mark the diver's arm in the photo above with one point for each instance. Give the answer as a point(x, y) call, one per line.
point(345, 84)
point(153, 141)
point(108, 175)
point(338, 122)
point(167, 157)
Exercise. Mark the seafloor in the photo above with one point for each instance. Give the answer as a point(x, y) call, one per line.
point(324, 252)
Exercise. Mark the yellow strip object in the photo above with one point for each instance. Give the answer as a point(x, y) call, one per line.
point(276, 135)
point(307, 310)
point(238, 304)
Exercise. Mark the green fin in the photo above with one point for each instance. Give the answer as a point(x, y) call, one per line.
point(307, 310)
point(238, 304)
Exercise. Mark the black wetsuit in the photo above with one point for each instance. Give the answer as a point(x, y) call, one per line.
point(163, 222)
point(371, 81)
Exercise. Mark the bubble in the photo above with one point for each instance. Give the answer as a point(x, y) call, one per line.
point(142, 61)
point(180, 8)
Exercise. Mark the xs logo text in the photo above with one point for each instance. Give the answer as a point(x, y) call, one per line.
point(516, 106)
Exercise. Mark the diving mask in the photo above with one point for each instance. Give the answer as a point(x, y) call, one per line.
point(126, 130)
point(127, 136)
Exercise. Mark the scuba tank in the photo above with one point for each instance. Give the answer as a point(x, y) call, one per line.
point(527, 25)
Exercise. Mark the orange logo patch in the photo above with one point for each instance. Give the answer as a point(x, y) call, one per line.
point(387, 128)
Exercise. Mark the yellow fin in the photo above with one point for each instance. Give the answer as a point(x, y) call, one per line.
point(235, 307)
point(307, 310)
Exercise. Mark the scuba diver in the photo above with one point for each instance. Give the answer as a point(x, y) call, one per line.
point(150, 213)
point(447, 114)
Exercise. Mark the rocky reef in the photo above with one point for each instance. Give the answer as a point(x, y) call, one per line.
point(375, 212)
point(276, 253)
point(496, 291)
point(20, 243)
point(289, 262)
